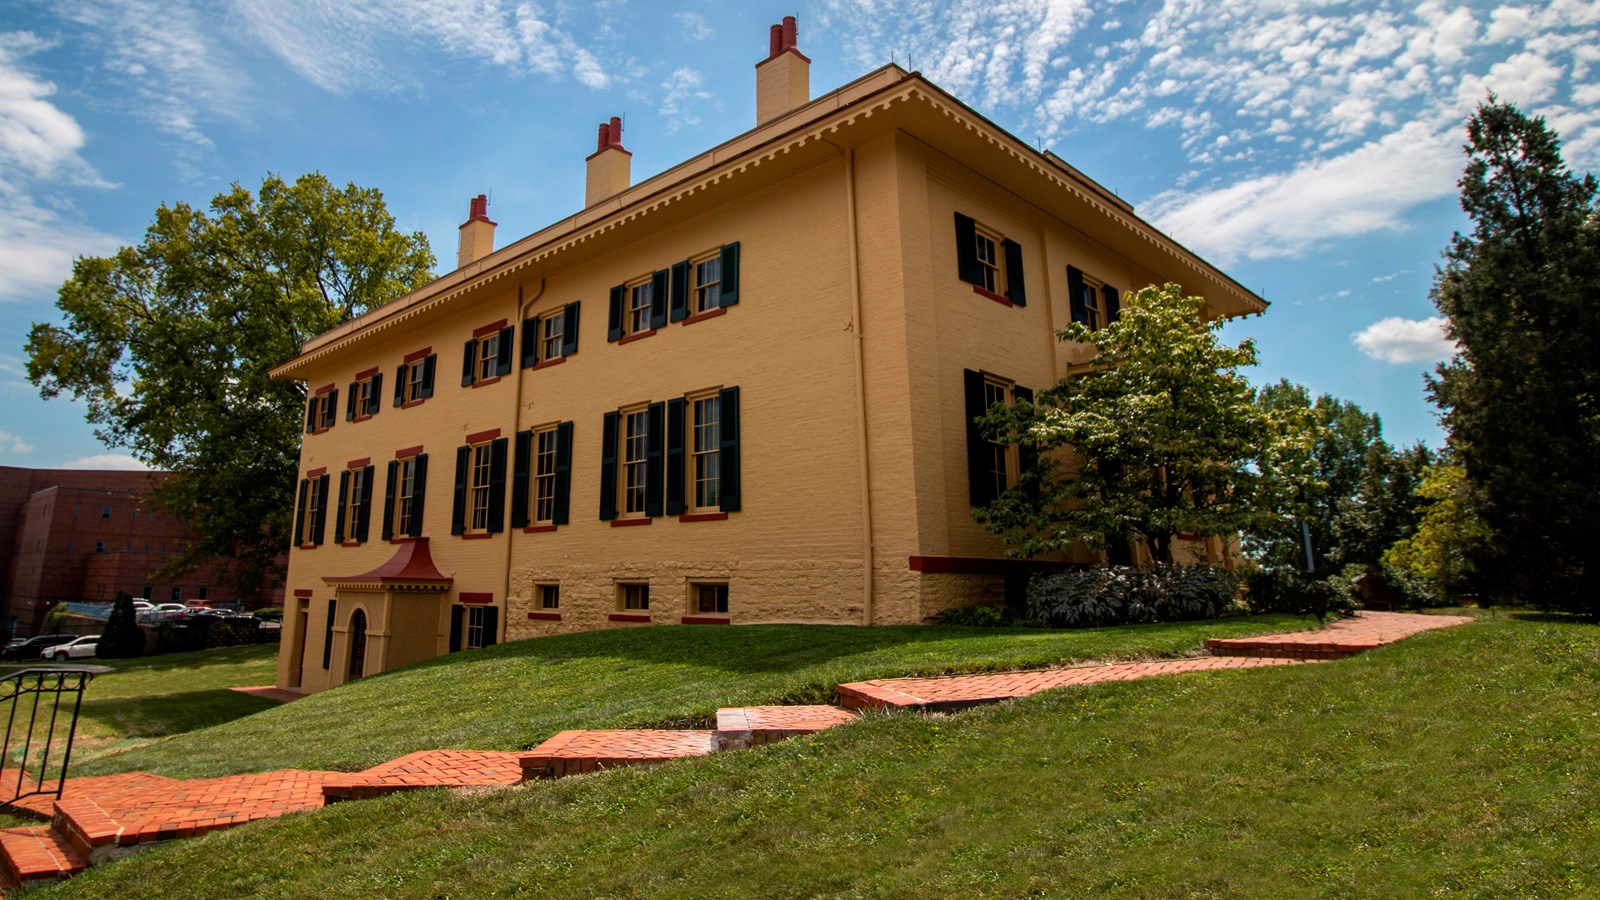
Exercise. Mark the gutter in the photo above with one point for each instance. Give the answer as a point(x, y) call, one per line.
point(523, 305)
point(861, 389)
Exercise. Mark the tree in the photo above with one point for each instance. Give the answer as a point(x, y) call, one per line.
point(1521, 398)
point(1449, 537)
point(1163, 433)
point(170, 344)
point(122, 638)
point(1356, 495)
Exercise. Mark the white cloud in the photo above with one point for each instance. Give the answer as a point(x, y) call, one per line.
point(14, 443)
point(120, 461)
point(683, 88)
point(1403, 341)
point(38, 246)
point(1367, 189)
point(694, 26)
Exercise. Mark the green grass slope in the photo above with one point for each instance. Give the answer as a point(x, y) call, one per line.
point(514, 695)
point(1457, 763)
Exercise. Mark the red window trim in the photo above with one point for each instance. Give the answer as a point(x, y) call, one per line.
point(304, 592)
point(350, 544)
point(706, 620)
point(636, 520)
point(703, 517)
point(317, 473)
point(417, 402)
point(476, 597)
point(489, 329)
point(479, 437)
point(320, 429)
point(708, 314)
point(636, 336)
point(408, 452)
point(424, 353)
point(539, 529)
point(362, 418)
point(998, 298)
point(484, 382)
point(403, 539)
point(363, 376)
point(361, 463)
point(545, 616)
point(476, 535)
point(554, 361)
point(629, 617)
point(326, 389)
point(308, 546)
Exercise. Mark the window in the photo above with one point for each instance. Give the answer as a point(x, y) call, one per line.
point(706, 283)
point(320, 409)
point(705, 451)
point(201, 594)
point(541, 485)
point(487, 356)
point(413, 381)
point(549, 596)
point(1094, 304)
point(474, 625)
point(99, 546)
point(551, 337)
point(633, 597)
point(311, 511)
point(146, 594)
point(991, 263)
point(638, 307)
point(708, 599)
point(364, 394)
point(635, 461)
point(993, 467)
point(177, 593)
point(403, 498)
point(355, 505)
point(480, 499)
point(544, 475)
point(105, 512)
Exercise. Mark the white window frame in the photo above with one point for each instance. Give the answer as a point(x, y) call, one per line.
point(986, 251)
point(640, 303)
point(405, 495)
point(544, 475)
point(1004, 459)
point(480, 470)
point(554, 335)
point(633, 462)
point(706, 293)
point(704, 453)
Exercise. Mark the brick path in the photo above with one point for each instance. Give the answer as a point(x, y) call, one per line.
point(103, 817)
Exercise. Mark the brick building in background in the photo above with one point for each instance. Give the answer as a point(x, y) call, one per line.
point(86, 535)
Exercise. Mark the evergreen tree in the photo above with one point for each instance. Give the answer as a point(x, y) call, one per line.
point(122, 638)
point(1521, 399)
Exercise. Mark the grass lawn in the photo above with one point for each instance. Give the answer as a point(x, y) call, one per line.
point(515, 695)
point(155, 697)
point(1460, 762)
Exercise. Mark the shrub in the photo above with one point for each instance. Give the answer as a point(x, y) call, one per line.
point(122, 637)
point(988, 617)
point(1281, 591)
point(1116, 595)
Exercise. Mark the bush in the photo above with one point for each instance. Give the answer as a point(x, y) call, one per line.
point(1117, 595)
point(122, 637)
point(987, 617)
point(1281, 591)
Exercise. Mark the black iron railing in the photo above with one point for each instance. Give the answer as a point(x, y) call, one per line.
point(34, 725)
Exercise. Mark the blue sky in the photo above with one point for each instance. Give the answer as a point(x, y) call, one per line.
point(1308, 147)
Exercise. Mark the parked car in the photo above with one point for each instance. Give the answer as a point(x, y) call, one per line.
point(140, 606)
point(171, 607)
point(31, 648)
point(79, 648)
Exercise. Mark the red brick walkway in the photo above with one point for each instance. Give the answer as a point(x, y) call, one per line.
point(101, 817)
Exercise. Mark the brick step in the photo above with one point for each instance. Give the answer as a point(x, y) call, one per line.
point(752, 726)
point(579, 751)
point(36, 855)
point(1279, 649)
point(425, 769)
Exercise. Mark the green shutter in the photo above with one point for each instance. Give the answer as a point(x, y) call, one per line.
point(338, 522)
point(491, 626)
point(300, 513)
point(497, 486)
point(350, 403)
point(530, 341)
point(366, 504)
point(400, 384)
point(1014, 289)
point(655, 440)
point(730, 275)
point(311, 413)
point(608, 466)
point(1113, 303)
point(419, 493)
point(619, 296)
point(569, 332)
point(377, 391)
point(521, 461)
point(469, 361)
point(321, 518)
point(330, 408)
point(967, 266)
point(504, 350)
point(1078, 302)
point(675, 465)
point(327, 634)
point(729, 452)
point(458, 508)
point(429, 363)
point(680, 292)
point(563, 491)
point(980, 482)
point(388, 499)
point(658, 299)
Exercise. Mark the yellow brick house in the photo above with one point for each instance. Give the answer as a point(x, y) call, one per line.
point(739, 391)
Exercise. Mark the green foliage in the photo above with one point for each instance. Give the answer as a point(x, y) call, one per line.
point(170, 344)
point(1119, 595)
point(987, 617)
point(1290, 591)
point(1521, 399)
point(1164, 433)
point(122, 638)
point(1449, 541)
point(1355, 492)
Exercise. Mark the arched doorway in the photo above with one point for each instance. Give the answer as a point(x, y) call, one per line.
point(358, 644)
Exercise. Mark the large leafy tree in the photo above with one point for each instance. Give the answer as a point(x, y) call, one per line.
point(1161, 436)
point(1449, 537)
point(170, 343)
point(1521, 398)
point(1356, 493)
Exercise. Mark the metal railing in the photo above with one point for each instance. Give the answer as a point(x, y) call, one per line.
point(37, 695)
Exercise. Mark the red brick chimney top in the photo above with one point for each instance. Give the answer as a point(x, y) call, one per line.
point(610, 135)
point(784, 37)
point(480, 209)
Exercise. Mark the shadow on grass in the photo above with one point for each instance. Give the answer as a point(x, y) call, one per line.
point(152, 717)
